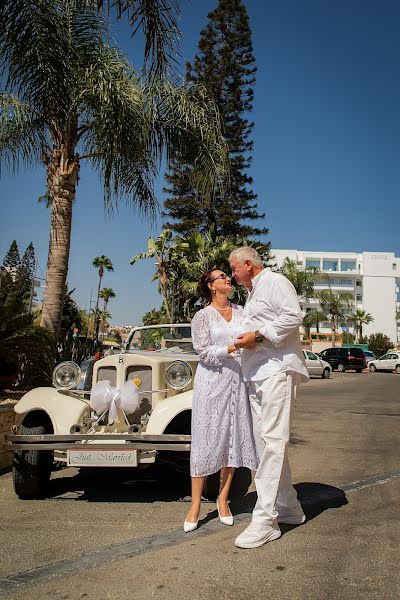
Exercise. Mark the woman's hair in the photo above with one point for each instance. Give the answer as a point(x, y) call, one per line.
point(246, 253)
point(202, 287)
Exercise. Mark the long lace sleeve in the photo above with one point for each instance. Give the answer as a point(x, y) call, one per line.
point(201, 338)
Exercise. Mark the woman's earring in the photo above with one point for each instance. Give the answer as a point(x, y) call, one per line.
point(214, 291)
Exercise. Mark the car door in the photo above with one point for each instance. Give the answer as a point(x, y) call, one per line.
point(382, 363)
point(313, 364)
point(391, 362)
point(334, 358)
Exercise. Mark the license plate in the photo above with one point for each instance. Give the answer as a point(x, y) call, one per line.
point(102, 458)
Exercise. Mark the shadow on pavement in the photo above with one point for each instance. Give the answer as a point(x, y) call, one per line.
point(165, 481)
point(315, 498)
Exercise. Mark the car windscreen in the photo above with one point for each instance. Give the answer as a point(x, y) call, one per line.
point(161, 339)
point(356, 352)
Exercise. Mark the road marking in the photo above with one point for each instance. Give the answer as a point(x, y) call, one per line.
point(175, 536)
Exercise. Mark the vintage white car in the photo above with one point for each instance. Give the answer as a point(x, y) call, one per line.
point(63, 423)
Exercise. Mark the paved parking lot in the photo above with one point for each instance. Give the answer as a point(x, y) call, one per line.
point(119, 535)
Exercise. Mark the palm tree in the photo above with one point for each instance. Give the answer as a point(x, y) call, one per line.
point(358, 319)
point(100, 262)
point(159, 249)
point(334, 305)
point(313, 318)
point(106, 294)
point(180, 261)
point(193, 256)
point(103, 316)
point(302, 280)
point(70, 97)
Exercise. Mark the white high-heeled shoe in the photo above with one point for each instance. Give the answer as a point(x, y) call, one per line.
point(188, 526)
point(225, 520)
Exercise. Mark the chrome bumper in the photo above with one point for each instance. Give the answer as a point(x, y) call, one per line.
point(100, 441)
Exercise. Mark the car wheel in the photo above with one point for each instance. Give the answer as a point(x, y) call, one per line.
point(372, 368)
point(397, 369)
point(31, 468)
point(211, 486)
point(326, 373)
point(341, 368)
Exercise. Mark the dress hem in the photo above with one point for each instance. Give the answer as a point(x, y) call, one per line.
point(223, 467)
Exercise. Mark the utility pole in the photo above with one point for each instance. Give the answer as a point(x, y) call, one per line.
point(88, 313)
point(32, 287)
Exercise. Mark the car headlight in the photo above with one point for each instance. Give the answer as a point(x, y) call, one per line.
point(66, 375)
point(178, 375)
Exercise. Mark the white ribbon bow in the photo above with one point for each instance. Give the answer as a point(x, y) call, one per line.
point(105, 397)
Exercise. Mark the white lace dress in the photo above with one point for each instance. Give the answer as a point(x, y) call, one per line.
point(222, 434)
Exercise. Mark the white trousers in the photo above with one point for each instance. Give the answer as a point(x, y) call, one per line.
point(271, 402)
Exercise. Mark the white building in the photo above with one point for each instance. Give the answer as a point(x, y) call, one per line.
point(372, 277)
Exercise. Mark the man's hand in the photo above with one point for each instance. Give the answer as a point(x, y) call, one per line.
point(246, 340)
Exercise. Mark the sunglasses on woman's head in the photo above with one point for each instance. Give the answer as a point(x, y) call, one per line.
point(222, 276)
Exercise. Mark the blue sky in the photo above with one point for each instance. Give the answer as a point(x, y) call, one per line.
point(326, 147)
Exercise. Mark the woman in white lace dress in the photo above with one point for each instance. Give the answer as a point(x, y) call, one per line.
point(222, 435)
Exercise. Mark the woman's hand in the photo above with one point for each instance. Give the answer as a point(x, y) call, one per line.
point(246, 340)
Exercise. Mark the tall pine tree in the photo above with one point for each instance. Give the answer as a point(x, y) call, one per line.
point(12, 260)
point(26, 273)
point(225, 65)
point(17, 275)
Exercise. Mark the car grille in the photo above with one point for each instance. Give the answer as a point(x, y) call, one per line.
point(145, 374)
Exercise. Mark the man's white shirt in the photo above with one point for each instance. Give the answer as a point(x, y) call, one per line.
point(273, 309)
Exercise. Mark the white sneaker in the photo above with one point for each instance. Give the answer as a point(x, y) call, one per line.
point(257, 534)
point(292, 516)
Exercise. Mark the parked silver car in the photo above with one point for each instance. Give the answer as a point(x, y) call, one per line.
point(316, 366)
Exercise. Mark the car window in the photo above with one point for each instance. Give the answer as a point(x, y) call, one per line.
point(384, 357)
point(356, 352)
point(311, 356)
point(368, 353)
point(161, 339)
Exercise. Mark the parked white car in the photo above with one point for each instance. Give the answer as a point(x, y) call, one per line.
point(388, 362)
point(316, 366)
point(64, 423)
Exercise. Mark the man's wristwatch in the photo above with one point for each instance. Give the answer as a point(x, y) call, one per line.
point(259, 337)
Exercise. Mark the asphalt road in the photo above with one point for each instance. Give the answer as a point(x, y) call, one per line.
point(114, 535)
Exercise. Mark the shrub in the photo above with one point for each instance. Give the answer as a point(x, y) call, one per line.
point(30, 349)
point(379, 344)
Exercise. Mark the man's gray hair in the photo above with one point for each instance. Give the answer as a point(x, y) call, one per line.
point(246, 253)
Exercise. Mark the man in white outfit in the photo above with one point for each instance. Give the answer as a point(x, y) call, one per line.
point(273, 365)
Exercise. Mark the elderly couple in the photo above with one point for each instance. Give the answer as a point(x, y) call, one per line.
point(250, 366)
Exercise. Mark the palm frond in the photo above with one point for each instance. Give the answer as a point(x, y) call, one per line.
point(158, 20)
point(22, 135)
point(129, 126)
point(186, 121)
